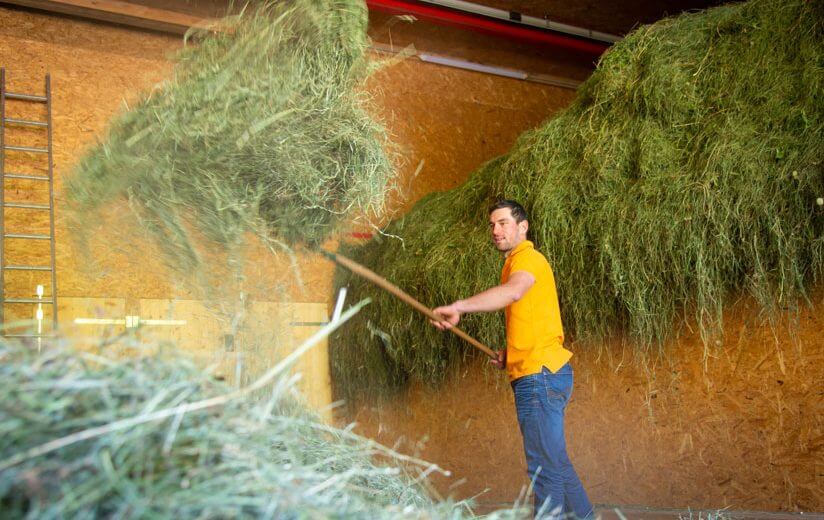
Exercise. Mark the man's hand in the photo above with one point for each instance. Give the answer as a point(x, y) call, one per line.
point(500, 361)
point(450, 314)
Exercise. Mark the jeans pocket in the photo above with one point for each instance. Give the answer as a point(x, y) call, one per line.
point(555, 399)
point(558, 387)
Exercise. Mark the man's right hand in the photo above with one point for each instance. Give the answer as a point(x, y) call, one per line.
point(500, 361)
point(450, 314)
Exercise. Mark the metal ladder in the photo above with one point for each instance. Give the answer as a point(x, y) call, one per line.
point(26, 206)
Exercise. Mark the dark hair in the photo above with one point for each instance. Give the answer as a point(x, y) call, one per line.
point(518, 211)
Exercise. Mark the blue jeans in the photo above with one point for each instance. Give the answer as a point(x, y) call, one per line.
point(540, 400)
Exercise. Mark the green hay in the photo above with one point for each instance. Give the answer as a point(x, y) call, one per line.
point(686, 172)
point(261, 456)
point(261, 128)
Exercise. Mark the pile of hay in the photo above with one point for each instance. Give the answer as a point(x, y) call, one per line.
point(259, 455)
point(689, 170)
point(261, 128)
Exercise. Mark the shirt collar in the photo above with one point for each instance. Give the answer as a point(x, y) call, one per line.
point(526, 244)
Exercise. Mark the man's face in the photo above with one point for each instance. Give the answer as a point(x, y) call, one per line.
point(506, 233)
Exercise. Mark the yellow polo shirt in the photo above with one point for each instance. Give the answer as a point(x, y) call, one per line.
point(534, 333)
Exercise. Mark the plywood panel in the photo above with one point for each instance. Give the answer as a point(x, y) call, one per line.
point(272, 331)
point(264, 338)
point(90, 336)
point(93, 68)
point(263, 334)
point(68, 310)
point(201, 336)
point(450, 121)
point(314, 365)
point(742, 429)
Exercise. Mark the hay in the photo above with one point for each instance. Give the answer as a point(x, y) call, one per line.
point(261, 128)
point(136, 454)
point(686, 172)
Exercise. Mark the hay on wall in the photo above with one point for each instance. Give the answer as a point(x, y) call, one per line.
point(689, 169)
point(262, 128)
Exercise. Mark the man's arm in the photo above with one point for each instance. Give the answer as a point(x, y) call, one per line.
point(489, 300)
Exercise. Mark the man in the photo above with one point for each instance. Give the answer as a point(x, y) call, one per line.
point(535, 359)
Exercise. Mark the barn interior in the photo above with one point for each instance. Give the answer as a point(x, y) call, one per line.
point(712, 405)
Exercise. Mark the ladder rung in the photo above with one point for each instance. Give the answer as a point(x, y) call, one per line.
point(25, 97)
point(27, 177)
point(24, 122)
point(27, 268)
point(26, 149)
point(27, 300)
point(27, 236)
point(27, 335)
point(24, 205)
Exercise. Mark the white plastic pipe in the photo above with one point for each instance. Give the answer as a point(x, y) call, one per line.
point(469, 65)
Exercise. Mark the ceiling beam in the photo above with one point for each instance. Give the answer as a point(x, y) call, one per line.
point(115, 11)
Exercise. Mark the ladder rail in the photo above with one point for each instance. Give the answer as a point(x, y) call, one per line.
point(27, 149)
point(51, 201)
point(47, 300)
point(26, 177)
point(26, 205)
point(27, 97)
point(2, 193)
point(27, 236)
point(12, 267)
point(24, 122)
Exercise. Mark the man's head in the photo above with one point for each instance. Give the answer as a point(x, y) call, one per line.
point(507, 224)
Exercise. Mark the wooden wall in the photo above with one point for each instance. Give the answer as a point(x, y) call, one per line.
point(444, 123)
point(741, 428)
point(448, 120)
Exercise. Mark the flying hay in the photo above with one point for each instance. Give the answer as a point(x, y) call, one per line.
point(261, 129)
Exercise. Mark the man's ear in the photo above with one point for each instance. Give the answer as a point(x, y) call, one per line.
point(524, 225)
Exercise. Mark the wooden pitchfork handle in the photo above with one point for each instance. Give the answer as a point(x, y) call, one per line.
point(400, 294)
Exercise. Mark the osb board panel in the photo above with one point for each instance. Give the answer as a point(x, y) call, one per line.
point(273, 330)
point(268, 332)
point(746, 432)
point(69, 309)
point(201, 336)
point(450, 120)
point(93, 69)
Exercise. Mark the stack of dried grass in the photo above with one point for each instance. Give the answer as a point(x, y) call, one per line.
point(689, 170)
point(125, 433)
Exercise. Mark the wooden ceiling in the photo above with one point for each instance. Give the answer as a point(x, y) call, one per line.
point(610, 16)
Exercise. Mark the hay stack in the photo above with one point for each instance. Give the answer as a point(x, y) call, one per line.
point(688, 170)
point(261, 128)
point(262, 456)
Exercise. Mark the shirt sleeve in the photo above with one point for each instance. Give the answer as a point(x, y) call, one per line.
point(524, 262)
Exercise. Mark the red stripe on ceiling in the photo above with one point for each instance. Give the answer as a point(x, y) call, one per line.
point(485, 25)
